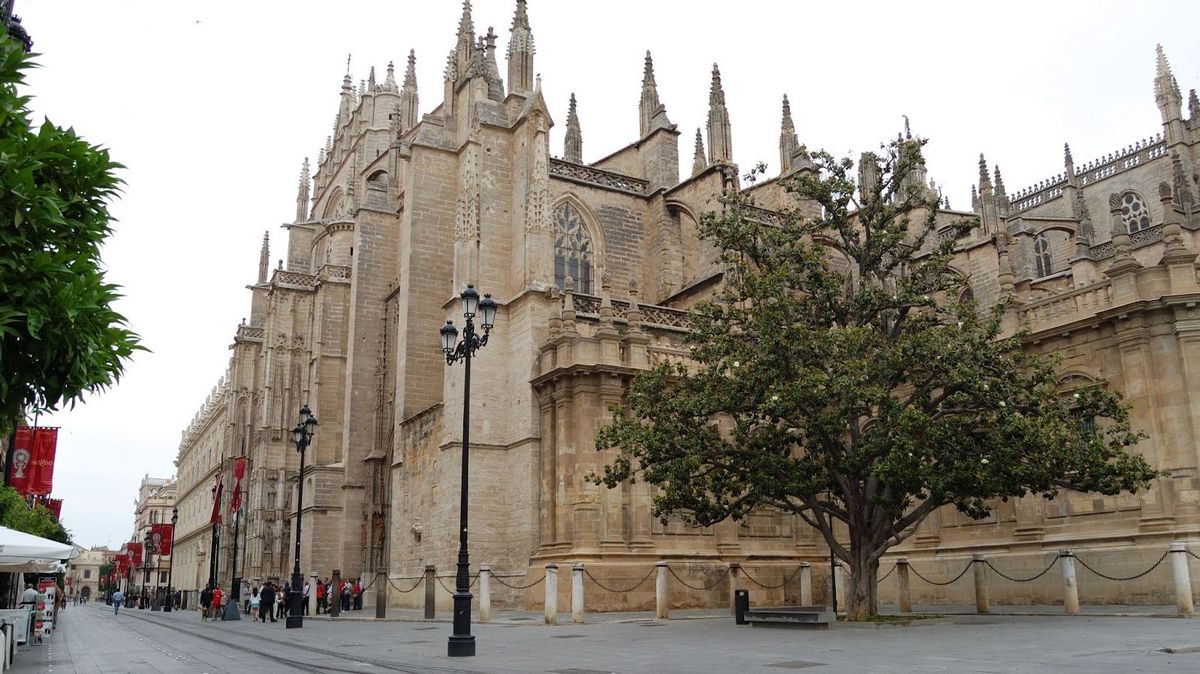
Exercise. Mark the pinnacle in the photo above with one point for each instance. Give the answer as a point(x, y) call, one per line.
point(648, 72)
point(520, 17)
point(787, 115)
point(716, 95)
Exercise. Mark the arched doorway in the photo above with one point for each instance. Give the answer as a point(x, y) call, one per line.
point(85, 593)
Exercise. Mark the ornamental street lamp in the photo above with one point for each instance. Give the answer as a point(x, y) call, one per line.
point(462, 642)
point(171, 562)
point(302, 434)
point(147, 550)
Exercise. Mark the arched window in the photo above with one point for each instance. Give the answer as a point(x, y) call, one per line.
point(1041, 256)
point(1134, 213)
point(573, 250)
point(967, 295)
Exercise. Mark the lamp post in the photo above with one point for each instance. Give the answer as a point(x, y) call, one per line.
point(171, 563)
point(302, 434)
point(462, 642)
point(148, 551)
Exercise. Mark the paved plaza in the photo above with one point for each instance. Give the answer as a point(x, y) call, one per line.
point(92, 640)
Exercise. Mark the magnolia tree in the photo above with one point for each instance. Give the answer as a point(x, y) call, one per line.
point(840, 374)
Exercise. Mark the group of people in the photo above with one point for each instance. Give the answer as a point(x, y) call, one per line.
point(271, 602)
point(351, 593)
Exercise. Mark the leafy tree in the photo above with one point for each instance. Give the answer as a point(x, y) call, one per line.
point(16, 514)
point(59, 336)
point(839, 375)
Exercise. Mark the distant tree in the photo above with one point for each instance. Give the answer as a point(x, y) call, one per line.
point(840, 375)
point(59, 336)
point(15, 513)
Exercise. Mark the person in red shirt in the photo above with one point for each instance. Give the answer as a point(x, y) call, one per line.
point(320, 597)
point(217, 599)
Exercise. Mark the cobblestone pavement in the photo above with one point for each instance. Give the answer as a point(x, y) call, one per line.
point(92, 640)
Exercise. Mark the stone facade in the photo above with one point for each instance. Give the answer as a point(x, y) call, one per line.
point(594, 266)
point(83, 573)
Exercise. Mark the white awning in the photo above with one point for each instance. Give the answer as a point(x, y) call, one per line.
point(22, 552)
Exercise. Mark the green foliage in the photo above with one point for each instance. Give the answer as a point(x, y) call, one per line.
point(59, 337)
point(16, 514)
point(839, 375)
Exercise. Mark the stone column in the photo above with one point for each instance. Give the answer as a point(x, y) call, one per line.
point(662, 604)
point(335, 594)
point(485, 593)
point(1070, 588)
point(430, 591)
point(551, 602)
point(735, 584)
point(841, 586)
point(904, 589)
point(577, 593)
point(1183, 579)
point(981, 592)
point(806, 584)
point(380, 593)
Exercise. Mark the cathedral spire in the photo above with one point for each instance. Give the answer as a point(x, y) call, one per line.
point(302, 193)
point(491, 69)
point(788, 143)
point(653, 112)
point(1193, 107)
point(520, 53)
point(999, 183)
point(371, 81)
point(699, 163)
point(1068, 160)
point(985, 182)
point(408, 94)
point(464, 47)
point(346, 106)
point(1166, 89)
point(573, 147)
point(389, 82)
point(264, 255)
point(720, 138)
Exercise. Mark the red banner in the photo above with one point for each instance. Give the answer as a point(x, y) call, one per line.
point(18, 472)
point(135, 553)
point(216, 511)
point(41, 463)
point(55, 506)
point(239, 471)
point(163, 535)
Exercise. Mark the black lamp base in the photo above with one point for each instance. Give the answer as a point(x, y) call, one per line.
point(461, 646)
point(294, 621)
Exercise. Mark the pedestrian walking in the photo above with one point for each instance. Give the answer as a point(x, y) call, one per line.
point(304, 607)
point(205, 603)
point(267, 600)
point(255, 602)
point(345, 594)
point(218, 597)
point(285, 600)
point(117, 598)
point(357, 594)
point(320, 596)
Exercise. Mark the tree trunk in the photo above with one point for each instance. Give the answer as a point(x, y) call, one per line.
point(862, 598)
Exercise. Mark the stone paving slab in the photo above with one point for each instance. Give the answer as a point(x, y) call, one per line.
point(92, 640)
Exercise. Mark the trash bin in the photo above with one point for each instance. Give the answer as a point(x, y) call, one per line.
point(741, 604)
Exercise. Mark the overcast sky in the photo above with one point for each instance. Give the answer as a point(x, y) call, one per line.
point(212, 106)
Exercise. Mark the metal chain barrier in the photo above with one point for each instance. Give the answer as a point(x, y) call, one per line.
point(933, 582)
point(693, 587)
point(588, 573)
point(771, 587)
point(1021, 580)
point(500, 580)
point(420, 579)
point(1120, 578)
point(439, 581)
point(887, 574)
point(373, 577)
point(1192, 554)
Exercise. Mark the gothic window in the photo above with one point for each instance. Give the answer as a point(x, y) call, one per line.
point(573, 250)
point(1041, 256)
point(967, 295)
point(1134, 213)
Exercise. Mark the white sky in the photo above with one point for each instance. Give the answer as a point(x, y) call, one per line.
point(213, 105)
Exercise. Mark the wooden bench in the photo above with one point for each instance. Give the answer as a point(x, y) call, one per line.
point(805, 617)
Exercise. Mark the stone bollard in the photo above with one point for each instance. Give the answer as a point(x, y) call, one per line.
point(336, 591)
point(735, 584)
point(551, 594)
point(1183, 579)
point(841, 587)
point(430, 590)
point(1070, 587)
point(806, 584)
point(662, 607)
point(577, 593)
point(380, 593)
point(485, 593)
point(981, 592)
point(905, 589)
